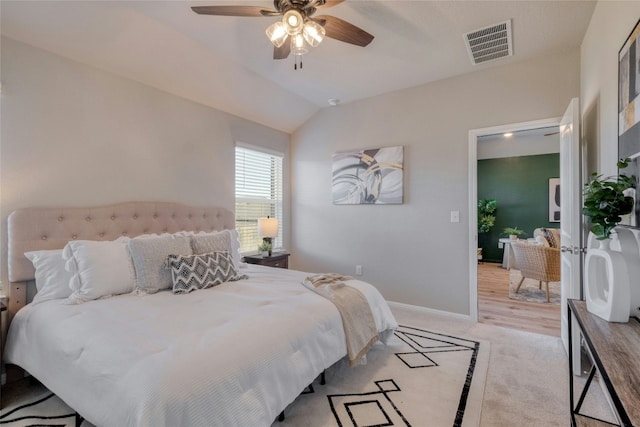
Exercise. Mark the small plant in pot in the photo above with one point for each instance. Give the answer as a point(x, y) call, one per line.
point(265, 248)
point(513, 232)
point(606, 199)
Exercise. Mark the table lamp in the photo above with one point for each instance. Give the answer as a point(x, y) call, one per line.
point(268, 229)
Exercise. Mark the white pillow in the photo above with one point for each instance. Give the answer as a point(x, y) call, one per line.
point(99, 269)
point(52, 280)
point(541, 240)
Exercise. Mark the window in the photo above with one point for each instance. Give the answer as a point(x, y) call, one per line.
point(258, 194)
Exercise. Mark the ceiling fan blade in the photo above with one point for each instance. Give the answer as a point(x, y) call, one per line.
point(283, 51)
point(339, 29)
point(233, 10)
point(552, 133)
point(329, 3)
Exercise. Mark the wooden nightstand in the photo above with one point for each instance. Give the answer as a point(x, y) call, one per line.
point(2, 309)
point(280, 260)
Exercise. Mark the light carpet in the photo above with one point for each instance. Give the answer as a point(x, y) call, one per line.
point(530, 291)
point(421, 377)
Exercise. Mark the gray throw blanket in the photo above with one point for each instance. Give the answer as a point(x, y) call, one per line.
point(358, 322)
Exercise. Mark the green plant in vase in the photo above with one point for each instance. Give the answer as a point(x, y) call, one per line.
point(606, 199)
point(265, 247)
point(513, 232)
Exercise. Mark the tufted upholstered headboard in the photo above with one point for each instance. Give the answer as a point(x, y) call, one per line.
point(33, 229)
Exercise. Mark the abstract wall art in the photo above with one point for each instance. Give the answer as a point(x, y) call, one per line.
point(368, 177)
point(629, 111)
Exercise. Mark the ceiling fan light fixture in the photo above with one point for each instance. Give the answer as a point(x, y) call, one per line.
point(313, 33)
point(277, 33)
point(293, 21)
point(297, 45)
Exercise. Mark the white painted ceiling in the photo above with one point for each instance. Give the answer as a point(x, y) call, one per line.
point(529, 142)
point(226, 62)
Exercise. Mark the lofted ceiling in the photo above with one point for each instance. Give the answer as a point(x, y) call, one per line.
point(226, 62)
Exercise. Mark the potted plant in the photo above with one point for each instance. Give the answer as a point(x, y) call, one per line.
point(486, 218)
point(486, 215)
point(513, 232)
point(265, 247)
point(606, 199)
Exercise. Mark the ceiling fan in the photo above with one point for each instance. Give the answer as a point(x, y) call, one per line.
point(298, 26)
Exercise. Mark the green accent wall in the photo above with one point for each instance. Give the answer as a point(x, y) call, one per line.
point(520, 186)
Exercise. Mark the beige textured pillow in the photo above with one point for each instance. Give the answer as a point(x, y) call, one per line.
point(211, 242)
point(226, 240)
point(149, 256)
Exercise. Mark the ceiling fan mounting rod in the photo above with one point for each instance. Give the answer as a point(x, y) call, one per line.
point(306, 7)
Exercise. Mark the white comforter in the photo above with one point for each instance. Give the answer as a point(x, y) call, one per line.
point(233, 355)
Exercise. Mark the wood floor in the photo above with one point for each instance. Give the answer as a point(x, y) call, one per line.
point(495, 307)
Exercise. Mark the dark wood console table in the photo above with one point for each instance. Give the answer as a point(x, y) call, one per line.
point(615, 351)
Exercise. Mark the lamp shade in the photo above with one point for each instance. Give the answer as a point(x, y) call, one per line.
point(313, 33)
point(297, 45)
point(267, 227)
point(277, 33)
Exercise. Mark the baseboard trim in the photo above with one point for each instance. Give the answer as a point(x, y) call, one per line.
point(429, 310)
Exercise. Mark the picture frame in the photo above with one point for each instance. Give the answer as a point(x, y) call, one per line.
point(368, 177)
point(629, 113)
point(554, 199)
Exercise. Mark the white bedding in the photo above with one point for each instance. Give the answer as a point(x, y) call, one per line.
point(233, 355)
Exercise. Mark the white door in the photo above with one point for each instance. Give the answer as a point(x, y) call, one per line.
point(570, 220)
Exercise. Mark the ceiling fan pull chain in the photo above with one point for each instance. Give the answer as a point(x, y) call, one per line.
point(297, 60)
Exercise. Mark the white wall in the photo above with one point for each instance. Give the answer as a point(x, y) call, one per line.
point(73, 135)
point(411, 252)
point(497, 146)
point(610, 25)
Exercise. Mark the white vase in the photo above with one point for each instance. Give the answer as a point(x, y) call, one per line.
point(631, 254)
point(607, 287)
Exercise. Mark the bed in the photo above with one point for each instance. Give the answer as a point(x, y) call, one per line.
point(233, 355)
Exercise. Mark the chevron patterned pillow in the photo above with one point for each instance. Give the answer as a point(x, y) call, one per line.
point(191, 272)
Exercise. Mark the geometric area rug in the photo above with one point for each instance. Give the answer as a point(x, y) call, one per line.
point(421, 378)
point(42, 409)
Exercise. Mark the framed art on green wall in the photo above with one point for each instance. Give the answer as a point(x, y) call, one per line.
point(554, 199)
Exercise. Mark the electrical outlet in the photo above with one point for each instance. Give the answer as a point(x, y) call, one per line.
point(358, 270)
point(455, 216)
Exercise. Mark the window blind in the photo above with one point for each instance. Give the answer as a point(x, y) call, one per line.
point(258, 195)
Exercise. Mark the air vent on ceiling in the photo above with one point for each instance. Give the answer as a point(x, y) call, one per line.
point(489, 43)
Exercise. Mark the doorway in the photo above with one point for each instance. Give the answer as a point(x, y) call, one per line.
point(501, 151)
